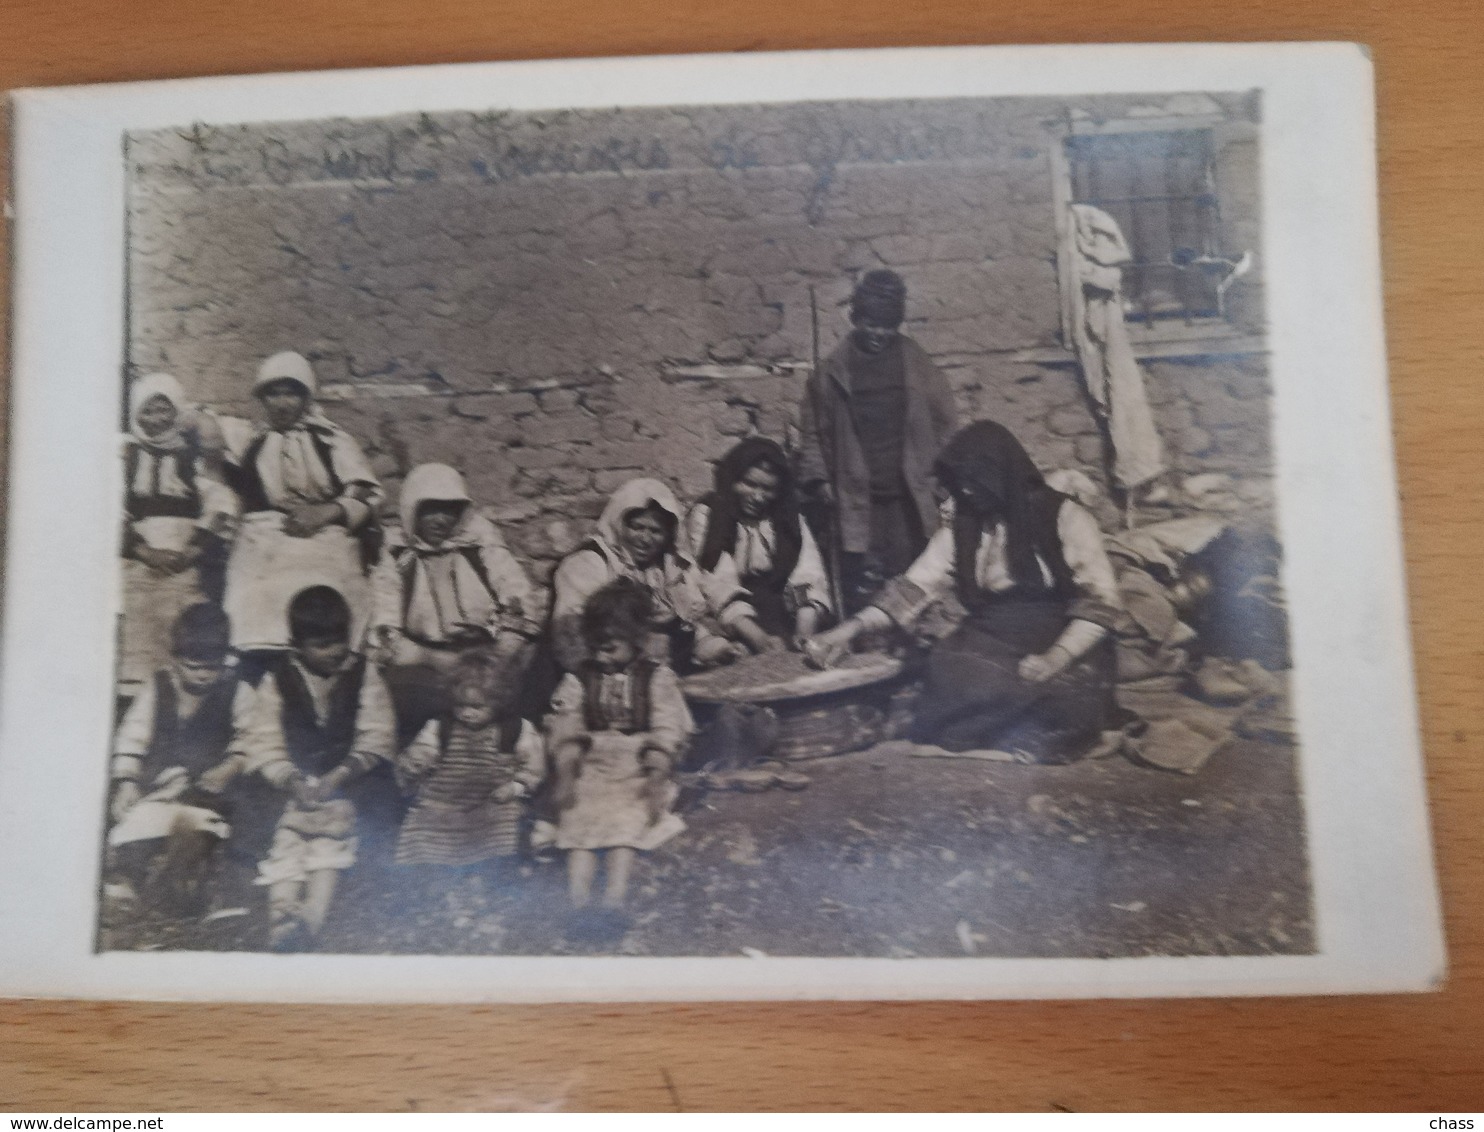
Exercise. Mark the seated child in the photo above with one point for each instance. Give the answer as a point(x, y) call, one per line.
point(472, 771)
point(618, 725)
point(322, 722)
point(172, 759)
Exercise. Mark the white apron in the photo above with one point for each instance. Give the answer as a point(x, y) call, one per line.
point(268, 567)
point(152, 600)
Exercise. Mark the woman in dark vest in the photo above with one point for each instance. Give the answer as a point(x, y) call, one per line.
point(1029, 673)
point(752, 515)
point(309, 503)
point(177, 518)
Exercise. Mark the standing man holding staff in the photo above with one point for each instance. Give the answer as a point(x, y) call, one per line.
point(875, 415)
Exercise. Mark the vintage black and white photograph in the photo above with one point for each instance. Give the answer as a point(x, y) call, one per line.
point(840, 528)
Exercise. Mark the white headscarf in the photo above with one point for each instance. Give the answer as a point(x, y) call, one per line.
point(430, 482)
point(638, 495)
point(146, 389)
point(287, 366)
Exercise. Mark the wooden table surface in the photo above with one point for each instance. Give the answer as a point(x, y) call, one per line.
point(1412, 1052)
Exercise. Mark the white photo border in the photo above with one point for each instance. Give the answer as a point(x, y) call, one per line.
point(1375, 897)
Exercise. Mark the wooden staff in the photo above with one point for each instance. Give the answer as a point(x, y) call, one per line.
point(832, 509)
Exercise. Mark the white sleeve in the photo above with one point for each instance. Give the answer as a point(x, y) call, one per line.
point(1079, 636)
point(1086, 556)
point(244, 702)
point(726, 599)
point(579, 576)
point(809, 572)
point(696, 524)
point(929, 579)
point(1095, 609)
point(134, 734)
point(520, 606)
point(237, 434)
point(260, 741)
point(933, 572)
point(362, 494)
point(386, 590)
point(532, 751)
point(220, 506)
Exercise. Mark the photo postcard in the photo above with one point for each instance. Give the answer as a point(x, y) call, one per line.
point(871, 524)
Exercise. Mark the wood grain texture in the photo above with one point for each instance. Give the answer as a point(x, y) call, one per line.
point(1416, 1052)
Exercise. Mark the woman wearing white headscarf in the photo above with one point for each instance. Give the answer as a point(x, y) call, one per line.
point(309, 503)
point(176, 515)
point(446, 584)
point(447, 580)
point(704, 618)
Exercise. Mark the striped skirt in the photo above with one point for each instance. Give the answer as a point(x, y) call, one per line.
point(454, 820)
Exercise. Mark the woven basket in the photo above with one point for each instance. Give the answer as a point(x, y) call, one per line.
point(840, 722)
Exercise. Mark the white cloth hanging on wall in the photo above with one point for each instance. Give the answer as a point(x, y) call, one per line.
point(1097, 252)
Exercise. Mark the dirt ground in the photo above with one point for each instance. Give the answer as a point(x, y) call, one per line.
point(883, 854)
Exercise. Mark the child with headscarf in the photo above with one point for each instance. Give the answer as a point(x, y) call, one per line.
point(699, 619)
point(446, 584)
point(177, 518)
point(1028, 674)
point(309, 502)
point(752, 515)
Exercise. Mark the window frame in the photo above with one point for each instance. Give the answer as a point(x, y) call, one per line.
point(1168, 337)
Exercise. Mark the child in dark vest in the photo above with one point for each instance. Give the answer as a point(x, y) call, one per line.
point(173, 756)
point(618, 726)
point(473, 770)
point(321, 725)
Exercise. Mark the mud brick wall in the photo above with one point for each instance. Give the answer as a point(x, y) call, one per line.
point(555, 302)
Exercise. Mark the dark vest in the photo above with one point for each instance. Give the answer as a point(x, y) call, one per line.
point(641, 676)
point(1044, 509)
point(316, 748)
point(198, 743)
point(154, 504)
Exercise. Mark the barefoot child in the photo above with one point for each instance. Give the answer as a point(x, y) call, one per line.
point(618, 726)
point(172, 759)
point(473, 770)
point(321, 724)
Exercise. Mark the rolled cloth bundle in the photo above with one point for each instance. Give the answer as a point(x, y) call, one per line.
point(879, 298)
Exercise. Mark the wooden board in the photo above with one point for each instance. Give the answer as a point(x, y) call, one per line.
point(1414, 1052)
